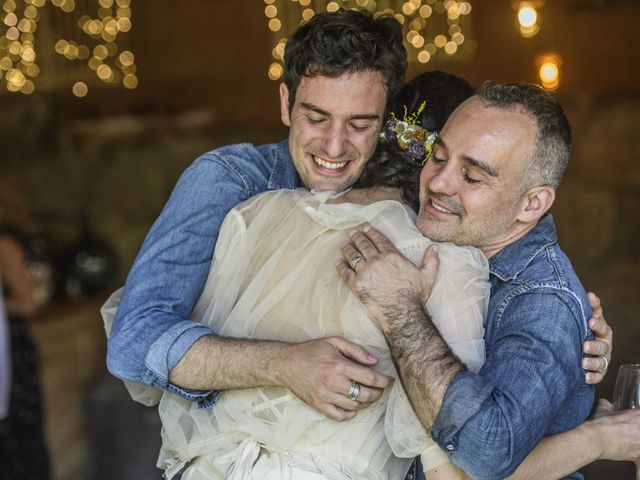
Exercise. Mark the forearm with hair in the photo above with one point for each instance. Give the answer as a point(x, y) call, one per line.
point(220, 363)
point(424, 361)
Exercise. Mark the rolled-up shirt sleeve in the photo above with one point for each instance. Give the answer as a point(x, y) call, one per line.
point(152, 330)
point(490, 421)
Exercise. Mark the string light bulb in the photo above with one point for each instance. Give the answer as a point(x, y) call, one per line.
point(431, 27)
point(549, 71)
point(528, 17)
point(94, 43)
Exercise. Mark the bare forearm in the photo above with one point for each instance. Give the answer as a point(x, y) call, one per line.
point(608, 436)
point(220, 363)
point(425, 364)
point(447, 471)
point(318, 371)
point(559, 455)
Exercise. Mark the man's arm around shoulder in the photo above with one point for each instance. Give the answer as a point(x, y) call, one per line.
point(152, 330)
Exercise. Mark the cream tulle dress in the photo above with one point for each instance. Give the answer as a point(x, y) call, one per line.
point(274, 277)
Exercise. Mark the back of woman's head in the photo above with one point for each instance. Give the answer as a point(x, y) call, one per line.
point(442, 92)
point(392, 164)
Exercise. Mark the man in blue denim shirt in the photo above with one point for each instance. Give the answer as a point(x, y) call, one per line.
point(340, 69)
point(490, 183)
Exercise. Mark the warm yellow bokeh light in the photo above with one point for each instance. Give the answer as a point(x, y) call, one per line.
point(425, 11)
point(103, 72)
point(549, 72)
point(33, 70)
point(527, 15)
point(12, 33)
point(275, 24)
point(28, 87)
point(424, 56)
point(275, 71)
point(271, 11)
point(450, 48)
point(5, 63)
point(130, 81)
point(11, 20)
point(80, 89)
point(408, 8)
point(418, 41)
point(126, 58)
point(333, 7)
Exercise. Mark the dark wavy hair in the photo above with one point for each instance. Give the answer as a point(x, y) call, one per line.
point(346, 41)
point(390, 165)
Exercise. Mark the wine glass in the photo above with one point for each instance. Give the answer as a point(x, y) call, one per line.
point(626, 393)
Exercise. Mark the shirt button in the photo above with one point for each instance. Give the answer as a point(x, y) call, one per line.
point(410, 476)
point(450, 447)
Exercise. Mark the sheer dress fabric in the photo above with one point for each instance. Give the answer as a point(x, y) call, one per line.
point(274, 277)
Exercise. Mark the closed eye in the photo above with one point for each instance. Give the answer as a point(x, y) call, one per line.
point(316, 121)
point(467, 178)
point(360, 128)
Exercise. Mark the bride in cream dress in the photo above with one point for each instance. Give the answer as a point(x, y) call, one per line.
point(273, 276)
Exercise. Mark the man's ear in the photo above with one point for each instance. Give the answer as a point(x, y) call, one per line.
point(284, 105)
point(537, 202)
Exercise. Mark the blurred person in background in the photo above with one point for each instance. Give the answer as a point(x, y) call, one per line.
point(23, 454)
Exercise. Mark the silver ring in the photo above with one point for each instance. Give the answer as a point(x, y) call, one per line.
point(355, 260)
point(354, 390)
point(606, 364)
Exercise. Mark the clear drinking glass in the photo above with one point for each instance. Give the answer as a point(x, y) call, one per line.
point(626, 393)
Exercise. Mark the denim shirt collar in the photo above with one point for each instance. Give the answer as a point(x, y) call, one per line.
point(514, 258)
point(283, 174)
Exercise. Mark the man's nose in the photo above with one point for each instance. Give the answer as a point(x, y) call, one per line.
point(335, 141)
point(443, 181)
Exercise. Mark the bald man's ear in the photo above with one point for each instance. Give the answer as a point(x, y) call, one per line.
point(537, 202)
point(284, 105)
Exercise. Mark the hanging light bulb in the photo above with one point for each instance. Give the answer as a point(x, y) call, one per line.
point(549, 71)
point(528, 18)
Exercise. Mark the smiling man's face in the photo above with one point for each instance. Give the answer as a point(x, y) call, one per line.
point(334, 127)
point(470, 187)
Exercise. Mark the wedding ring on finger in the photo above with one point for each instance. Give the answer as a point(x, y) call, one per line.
point(354, 390)
point(606, 364)
point(355, 260)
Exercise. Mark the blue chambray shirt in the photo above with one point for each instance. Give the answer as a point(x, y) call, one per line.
point(151, 331)
point(532, 383)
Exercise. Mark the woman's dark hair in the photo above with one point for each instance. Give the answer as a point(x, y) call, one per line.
point(392, 166)
point(346, 41)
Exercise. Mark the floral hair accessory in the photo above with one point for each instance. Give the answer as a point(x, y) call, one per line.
point(409, 135)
